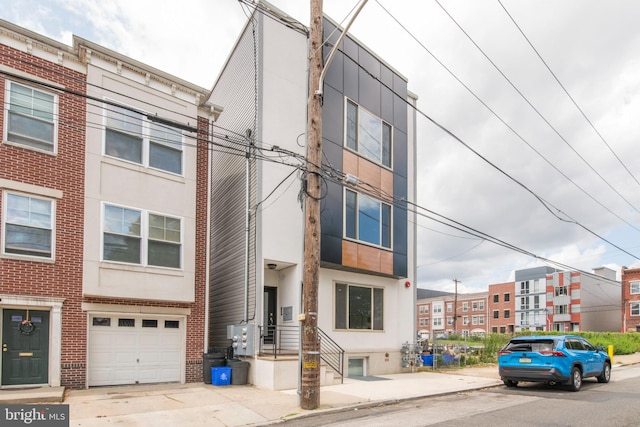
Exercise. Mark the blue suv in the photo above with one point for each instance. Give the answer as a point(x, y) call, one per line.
point(553, 359)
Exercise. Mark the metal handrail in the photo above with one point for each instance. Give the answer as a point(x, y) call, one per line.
point(331, 353)
point(276, 340)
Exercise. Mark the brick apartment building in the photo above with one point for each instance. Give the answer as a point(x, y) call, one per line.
point(630, 299)
point(502, 308)
point(103, 216)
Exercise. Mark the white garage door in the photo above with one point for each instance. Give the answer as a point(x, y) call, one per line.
point(126, 349)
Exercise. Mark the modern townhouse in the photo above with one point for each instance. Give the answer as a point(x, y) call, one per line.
point(104, 182)
point(366, 290)
point(531, 299)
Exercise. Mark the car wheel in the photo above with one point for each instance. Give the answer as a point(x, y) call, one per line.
point(510, 383)
point(606, 374)
point(576, 379)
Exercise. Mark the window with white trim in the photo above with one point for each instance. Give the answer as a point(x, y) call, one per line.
point(368, 134)
point(561, 290)
point(131, 136)
point(561, 309)
point(367, 219)
point(27, 224)
point(634, 308)
point(437, 308)
point(359, 307)
point(634, 287)
point(465, 320)
point(31, 117)
point(524, 287)
point(449, 307)
point(465, 306)
point(437, 321)
point(139, 237)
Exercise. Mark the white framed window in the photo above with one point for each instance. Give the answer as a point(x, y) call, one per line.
point(524, 318)
point(367, 219)
point(524, 303)
point(481, 320)
point(132, 137)
point(136, 236)
point(634, 308)
point(28, 225)
point(634, 287)
point(536, 301)
point(524, 287)
point(465, 306)
point(475, 306)
point(367, 134)
point(31, 117)
point(560, 309)
point(437, 321)
point(449, 320)
point(449, 307)
point(480, 305)
point(359, 307)
point(437, 308)
point(465, 320)
point(474, 320)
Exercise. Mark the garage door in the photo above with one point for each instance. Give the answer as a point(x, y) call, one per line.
point(126, 349)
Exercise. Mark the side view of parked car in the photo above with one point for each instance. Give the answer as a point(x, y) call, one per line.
point(553, 359)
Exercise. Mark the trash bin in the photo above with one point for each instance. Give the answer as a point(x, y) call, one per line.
point(211, 360)
point(427, 359)
point(239, 371)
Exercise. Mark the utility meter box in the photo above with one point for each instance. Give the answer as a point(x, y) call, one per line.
point(242, 339)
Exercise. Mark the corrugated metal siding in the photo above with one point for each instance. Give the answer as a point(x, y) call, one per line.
point(235, 91)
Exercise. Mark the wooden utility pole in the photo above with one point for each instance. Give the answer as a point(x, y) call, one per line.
point(310, 383)
point(455, 308)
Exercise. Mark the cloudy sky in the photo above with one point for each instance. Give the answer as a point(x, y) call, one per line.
point(529, 121)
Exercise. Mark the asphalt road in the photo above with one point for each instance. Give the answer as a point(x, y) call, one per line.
point(613, 404)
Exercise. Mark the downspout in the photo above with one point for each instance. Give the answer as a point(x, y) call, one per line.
point(247, 224)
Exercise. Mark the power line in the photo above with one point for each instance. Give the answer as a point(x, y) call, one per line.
point(502, 120)
point(569, 95)
point(555, 130)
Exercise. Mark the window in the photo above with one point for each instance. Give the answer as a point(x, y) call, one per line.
point(474, 306)
point(31, 117)
point(449, 320)
point(496, 298)
point(481, 320)
point(474, 320)
point(130, 136)
point(138, 237)
point(465, 306)
point(437, 321)
point(28, 226)
point(481, 305)
point(149, 323)
point(101, 321)
point(367, 219)
point(524, 287)
point(524, 318)
point(503, 329)
point(496, 314)
point(524, 303)
point(560, 309)
point(507, 297)
point(449, 307)
point(635, 287)
point(536, 301)
point(358, 307)
point(172, 324)
point(465, 320)
point(561, 290)
point(368, 135)
point(422, 309)
point(507, 314)
point(127, 323)
point(437, 308)
point(635, 308)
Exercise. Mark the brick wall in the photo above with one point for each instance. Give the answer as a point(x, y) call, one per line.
point(65, 172)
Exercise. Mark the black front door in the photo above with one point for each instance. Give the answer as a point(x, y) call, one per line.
point(25, 347)
point(270, 319)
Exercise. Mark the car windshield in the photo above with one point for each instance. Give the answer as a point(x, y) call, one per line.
point(538, 346)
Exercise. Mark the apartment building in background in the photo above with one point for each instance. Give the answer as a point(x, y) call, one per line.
point(502, 306)
point(466, 314)
point(630, 299)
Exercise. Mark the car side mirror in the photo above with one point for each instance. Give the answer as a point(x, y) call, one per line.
point(599, 348)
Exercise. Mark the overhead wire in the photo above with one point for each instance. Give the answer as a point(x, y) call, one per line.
point(584, 115)
point(585, 192)
point(534, 108)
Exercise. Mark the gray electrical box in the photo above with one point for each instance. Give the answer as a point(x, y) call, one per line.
point(242, 339)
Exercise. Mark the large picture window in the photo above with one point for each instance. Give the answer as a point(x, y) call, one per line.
point(139, 237)
point(130, 136)
point(368, 134)
point(359, 307)
point(28, 226)
point(31, 117)
point(367, 219)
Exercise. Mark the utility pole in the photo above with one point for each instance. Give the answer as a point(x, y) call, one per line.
point(310, 383)
point(455, 308)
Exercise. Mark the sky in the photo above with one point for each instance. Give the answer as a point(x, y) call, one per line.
point(528, 121)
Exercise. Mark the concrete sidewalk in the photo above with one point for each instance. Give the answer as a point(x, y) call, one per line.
point(203, 404)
